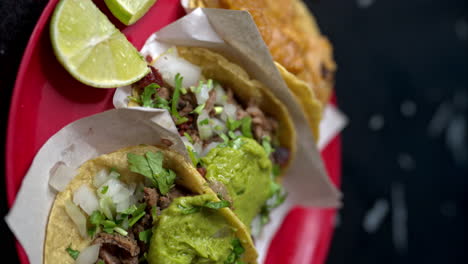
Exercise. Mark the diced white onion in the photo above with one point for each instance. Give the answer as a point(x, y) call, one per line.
point(203, 95)
point(138, 195)
point(77, 217)
point(170, 64)
point(89, 255)
point(106, 206)
point(187, 142)
point(114, 187)
point(124, 194)
point(209, 147)
point(85, 198)
point(230, 111)
point(101, 177)
point(120, 195)
point(122, 205)
point(221, 96)
point(197, 146)
point(60, 176)
point(205, 131)
point(218, 126)
point(114, 174)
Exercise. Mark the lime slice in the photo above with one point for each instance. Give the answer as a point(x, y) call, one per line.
point(91, 48)
point(129, 11)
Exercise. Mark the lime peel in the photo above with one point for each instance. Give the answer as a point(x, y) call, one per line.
point(129, 11)
point(91, 48)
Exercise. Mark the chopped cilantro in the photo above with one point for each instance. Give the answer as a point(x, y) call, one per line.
point(145, 236)
point(137, 214)
point(134, 99)
point(154, 213)
point(276, 170)
point(73, 253)
point(130, 210)
point(120, 231)
point(150, 166)
point(124, 224)
point(218, 128)
point(277, 198)
point(237, 251)
point(100, 262)
point(175, 100)
point(147, 95)
point(209, 83)
point(193, 155)
point(109, 224)
point(225, 138)
point(139, 164)
point(232, 135)
point(104, 189)
point(246, 126)
point(266, 143)
point(135, 219)
point(161, 103)
point(189, 138)
point(198, 109)
point(236, 143)
point(204, 122)
point(188, 209)
point(233, 124)
point(92, 230)
point(237, 247)
point(96, 218)
point(217, 205)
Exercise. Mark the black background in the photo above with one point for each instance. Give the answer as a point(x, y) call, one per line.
point(400, 64)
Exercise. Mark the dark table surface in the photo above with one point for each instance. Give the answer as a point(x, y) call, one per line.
point(403, 82)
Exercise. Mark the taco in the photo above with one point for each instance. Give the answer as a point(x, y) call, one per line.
point(143, 204)
point(237, 133)
point(295, 42)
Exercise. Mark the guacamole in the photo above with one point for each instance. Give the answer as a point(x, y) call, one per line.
point(245, 169)
point(187, 232)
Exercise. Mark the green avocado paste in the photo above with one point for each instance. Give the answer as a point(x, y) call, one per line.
point(244, 168)
point(187, 232)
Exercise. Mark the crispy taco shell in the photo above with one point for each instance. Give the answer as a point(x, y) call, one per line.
point(62, 232)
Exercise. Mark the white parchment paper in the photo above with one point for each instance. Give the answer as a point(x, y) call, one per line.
point(73, 145)
point(234, 34)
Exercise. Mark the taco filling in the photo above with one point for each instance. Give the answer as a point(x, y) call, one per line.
point(233, 143)
point(154, 220)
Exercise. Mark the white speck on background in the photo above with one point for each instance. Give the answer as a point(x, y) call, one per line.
point(374, 217)
point(364, 3)
point(461, 29)
point(440, 120)
point(399, 218)
point(456, 139)
point(408, 108)
point(2, 51)
point(376, 122)
point(406, 162)
point(448, 209)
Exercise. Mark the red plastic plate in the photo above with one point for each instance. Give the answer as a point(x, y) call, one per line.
point(46, 98)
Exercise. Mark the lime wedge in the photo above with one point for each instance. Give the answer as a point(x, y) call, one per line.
point(129, 11)
point(91, 48)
